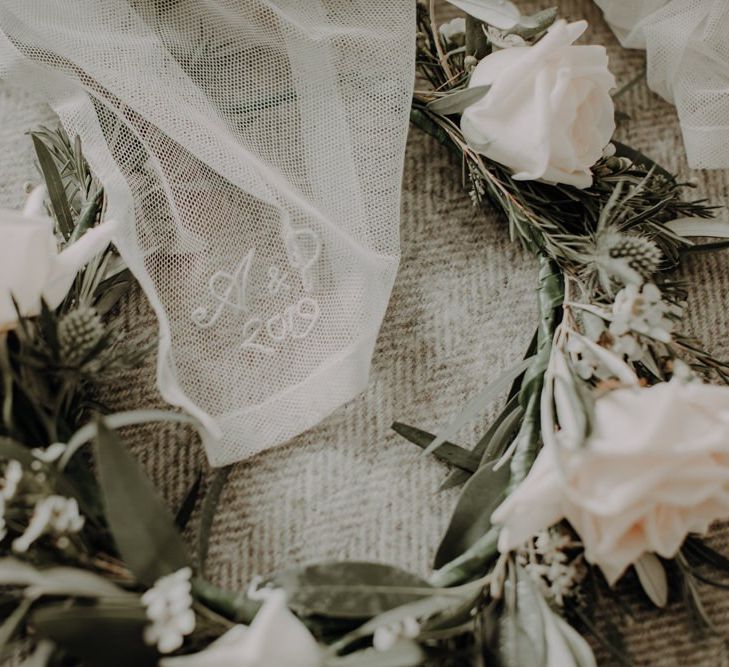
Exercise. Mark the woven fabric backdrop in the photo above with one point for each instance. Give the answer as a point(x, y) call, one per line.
point(462, 310)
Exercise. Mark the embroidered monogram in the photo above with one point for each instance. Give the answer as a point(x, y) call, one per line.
point(228, 290)
point(295, 322)
point(303, 247)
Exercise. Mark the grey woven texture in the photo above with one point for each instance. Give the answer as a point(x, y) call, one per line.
point(462, 310)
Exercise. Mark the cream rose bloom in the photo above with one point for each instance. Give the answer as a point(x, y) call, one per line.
point(31, 266)
point(548, 114)
point(655, 468)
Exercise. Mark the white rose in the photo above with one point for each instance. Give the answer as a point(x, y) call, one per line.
point(454, 32)
point(548, 114)
point(276, 638)
point(655, 468)
point(31, 266)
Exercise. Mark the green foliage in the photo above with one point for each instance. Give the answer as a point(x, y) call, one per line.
point(142, 525)
point(350, 589)
point(101, 635)
point(471, 519)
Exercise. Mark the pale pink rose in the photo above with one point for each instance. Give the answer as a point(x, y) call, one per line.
point(548, 114)
point(655, 468)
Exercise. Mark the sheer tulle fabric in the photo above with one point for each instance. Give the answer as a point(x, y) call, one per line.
point(251, 151)
point(688, 64)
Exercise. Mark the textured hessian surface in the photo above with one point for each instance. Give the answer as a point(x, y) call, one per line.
point(462, 309)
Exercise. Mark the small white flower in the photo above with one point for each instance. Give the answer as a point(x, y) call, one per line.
point(410, 628)
point(627, 346)
point(584, 360)
point(11, 480)
point(50, 454)
point(54, 514)
point(168, 605)
point(386, 636)
point(682, 372)
point(454, 32)
point(643, 311)
point(550, 567)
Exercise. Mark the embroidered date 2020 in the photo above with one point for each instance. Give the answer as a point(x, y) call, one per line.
point(231, 291)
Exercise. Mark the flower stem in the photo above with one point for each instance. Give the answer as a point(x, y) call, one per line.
point(550, 296)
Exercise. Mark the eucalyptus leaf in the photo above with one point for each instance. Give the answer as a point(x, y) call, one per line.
point(99, 635)
point(459, 101)
point(499, 13)
point(54, 185)
point(471, 519)
point(141, 524)
point(652, 577)
point(350, 589)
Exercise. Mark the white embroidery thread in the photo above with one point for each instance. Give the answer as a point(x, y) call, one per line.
point(237, 286)
point(298, 256)
point(303, 249)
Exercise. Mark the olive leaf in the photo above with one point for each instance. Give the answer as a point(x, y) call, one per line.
point(353, 589)
point(60, 580)
point(99, 635)
point(454, 454)
point(142, 525)
point(471, 519)
point(459, 101)
point(471, 563)
point(652, 577)
point(479, 402)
